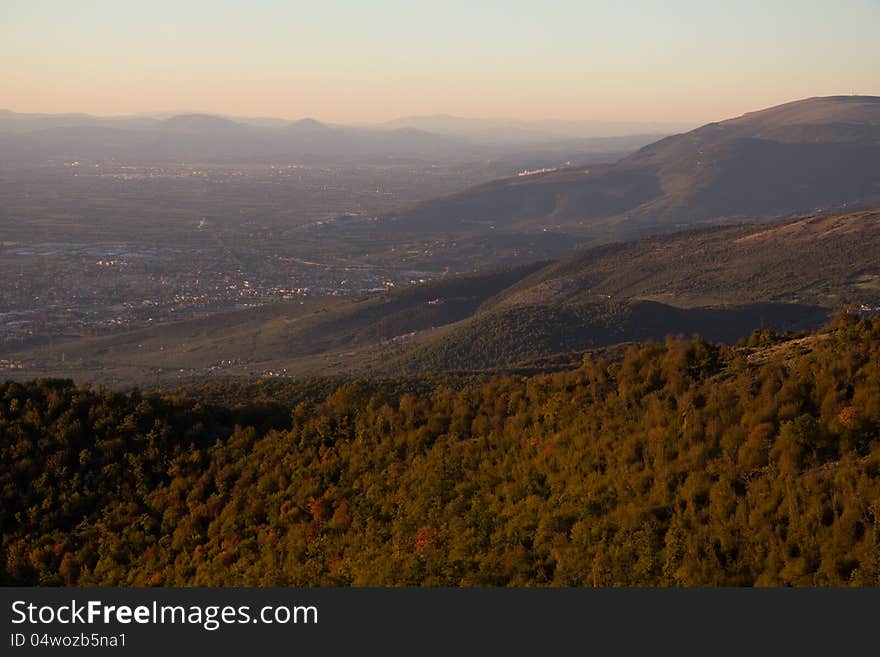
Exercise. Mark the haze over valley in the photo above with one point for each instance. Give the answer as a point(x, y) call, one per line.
point(394, 294)
point(134, 270)
point(109, 223)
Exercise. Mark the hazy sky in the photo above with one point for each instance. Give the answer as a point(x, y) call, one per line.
point(367, 60)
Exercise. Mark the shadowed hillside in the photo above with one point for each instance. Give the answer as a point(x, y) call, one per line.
point(719, 282)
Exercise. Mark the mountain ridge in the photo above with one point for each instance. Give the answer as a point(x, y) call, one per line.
point(818, 153)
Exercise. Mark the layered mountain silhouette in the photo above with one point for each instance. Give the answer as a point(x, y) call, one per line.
point(209, 138)
point(806, 156)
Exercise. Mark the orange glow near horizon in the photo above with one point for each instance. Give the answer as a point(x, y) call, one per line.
point(651, 61)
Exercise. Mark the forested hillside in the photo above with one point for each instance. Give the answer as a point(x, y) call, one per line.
point(682, 463)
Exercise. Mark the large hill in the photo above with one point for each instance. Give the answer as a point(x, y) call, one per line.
point(809, 155)
point(722, 282)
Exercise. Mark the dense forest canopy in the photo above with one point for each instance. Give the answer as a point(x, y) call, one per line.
point(682, 463)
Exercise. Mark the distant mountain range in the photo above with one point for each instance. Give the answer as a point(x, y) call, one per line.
point(810, 155)
point(498, 128)
point(210, 138)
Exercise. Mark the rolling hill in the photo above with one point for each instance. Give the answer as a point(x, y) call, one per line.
point(805, 156)
point(722, 282)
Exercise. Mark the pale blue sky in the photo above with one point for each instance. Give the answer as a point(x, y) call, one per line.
point(347, 61)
